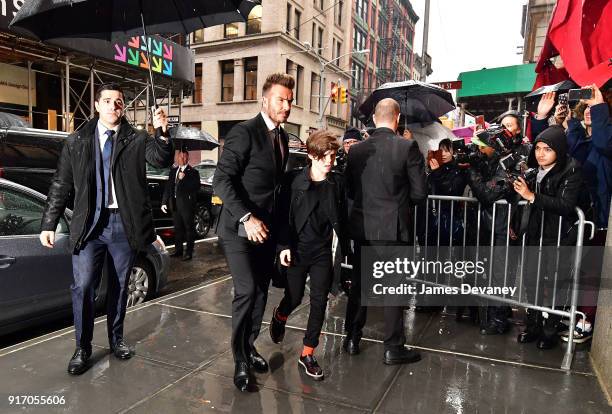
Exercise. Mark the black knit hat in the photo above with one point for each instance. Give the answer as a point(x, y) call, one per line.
point(554, 137)
point(352, 133)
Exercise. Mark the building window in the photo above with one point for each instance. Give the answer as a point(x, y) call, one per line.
point(227, 80)
point(338, 12)
point(359, 39)
point(318, 4)
point(338, 51)
point(313, 41)
point(361, 9)
point(288, 25)
point(250, 79)
point(254, 21)
point(230, 30)
point(314, 92)
point(357, 71)
point(382, 27)
point(320, 43)
point(296, 24)
point(197, 88)
point(299, 85)
point(198, 36)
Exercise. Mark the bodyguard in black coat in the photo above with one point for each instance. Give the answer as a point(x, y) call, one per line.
point(247, 179)
point(103, 164)
point(385, 178)
point(181, 195)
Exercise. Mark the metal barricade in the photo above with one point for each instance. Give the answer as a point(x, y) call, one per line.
point(468, 204)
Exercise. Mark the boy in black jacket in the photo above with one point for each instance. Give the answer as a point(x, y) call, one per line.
point(312, 208)
point(555, 197)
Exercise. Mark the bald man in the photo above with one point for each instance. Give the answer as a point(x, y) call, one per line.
point(385, 178)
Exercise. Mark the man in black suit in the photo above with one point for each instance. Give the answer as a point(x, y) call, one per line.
point(385, 178)
point(181, 194)
point(247, 179)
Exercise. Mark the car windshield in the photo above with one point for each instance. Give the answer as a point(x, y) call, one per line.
point(206, 171)
point(151, 170)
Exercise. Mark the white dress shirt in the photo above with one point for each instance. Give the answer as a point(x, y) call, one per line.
point(102, 138)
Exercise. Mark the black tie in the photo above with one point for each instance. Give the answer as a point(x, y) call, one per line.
point(278, 152)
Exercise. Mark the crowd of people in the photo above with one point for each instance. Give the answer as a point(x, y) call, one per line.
point(280, 225)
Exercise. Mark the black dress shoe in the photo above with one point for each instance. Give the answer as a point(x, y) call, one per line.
point(258, 362)
point(527, 336)
point(177, 254)
point(277, 329)
point(401, 356)
point(121, 350)
point(187, 257)
point(241, 376)
point(351, 345)
point(547, 342)
point(79, 362)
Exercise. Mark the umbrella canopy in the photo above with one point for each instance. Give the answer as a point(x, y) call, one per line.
point(111, 19)
point(533, 98)
point(429, 137)
point(192, 139)
point(419, 102)
point(11, 120)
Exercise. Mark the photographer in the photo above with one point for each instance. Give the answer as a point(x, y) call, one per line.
point(552, 197)
point(490, 181)
point(351, 137)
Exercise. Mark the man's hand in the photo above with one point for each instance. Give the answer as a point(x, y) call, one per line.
point(546, 104)
point(597, 96)
point(561, 112)
point(47, 238)
point(256, 230)
point(285, 257)
point(520, 186)
point(181, 175)
point(164, 209)
point(160, 119)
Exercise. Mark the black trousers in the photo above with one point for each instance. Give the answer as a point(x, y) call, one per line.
point(321, 276)
point(251, 269)
point(356, 313)
point(184, 226)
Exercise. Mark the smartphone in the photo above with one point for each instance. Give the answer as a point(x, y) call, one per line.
point(578, 94)
point(563, 99)
point(437, 155)
point(480, 122)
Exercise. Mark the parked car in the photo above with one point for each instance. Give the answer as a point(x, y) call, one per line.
point(207, 170)
point(35, 280)
point(29, 157)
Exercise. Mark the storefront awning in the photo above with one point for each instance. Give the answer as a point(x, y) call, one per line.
point(496, 81)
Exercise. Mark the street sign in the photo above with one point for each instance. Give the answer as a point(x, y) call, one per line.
point(449, 84)
point(173, 119)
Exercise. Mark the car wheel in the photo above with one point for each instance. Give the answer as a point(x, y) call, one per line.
point(202, 222)
point(141, 285)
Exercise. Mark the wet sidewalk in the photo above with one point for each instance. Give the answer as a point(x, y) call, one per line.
point(183, 364)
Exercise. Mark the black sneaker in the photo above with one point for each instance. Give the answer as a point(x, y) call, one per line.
point(311, 367)
point(277, 328)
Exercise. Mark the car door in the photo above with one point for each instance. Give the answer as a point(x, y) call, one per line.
point(156, 183)
point(34, 280)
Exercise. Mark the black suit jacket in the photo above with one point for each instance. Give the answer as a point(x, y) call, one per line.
point(186, 189)
point(385, 177)
point(246, 178)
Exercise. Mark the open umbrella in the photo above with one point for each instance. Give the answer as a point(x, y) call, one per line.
point(192, 139)
point(8, 120)
point(533, 98)
point(429, 136)
point(112, 19)
point(419, 101)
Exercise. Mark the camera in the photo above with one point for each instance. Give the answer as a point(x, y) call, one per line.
point(467, 154)
point(498, 137)
point(515, 166)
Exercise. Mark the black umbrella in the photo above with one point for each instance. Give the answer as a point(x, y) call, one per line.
point(533, 98)
point(8, 120)
point(192, 139)
point(419, 102)
point(111, 19)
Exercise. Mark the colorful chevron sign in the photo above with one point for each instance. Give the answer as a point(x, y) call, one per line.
point(134, 52)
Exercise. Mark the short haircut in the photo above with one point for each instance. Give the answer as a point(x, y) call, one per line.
point(108, 87)
point(321, 141)
point(446, 145)
point(387, 110)
point(278, 79)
